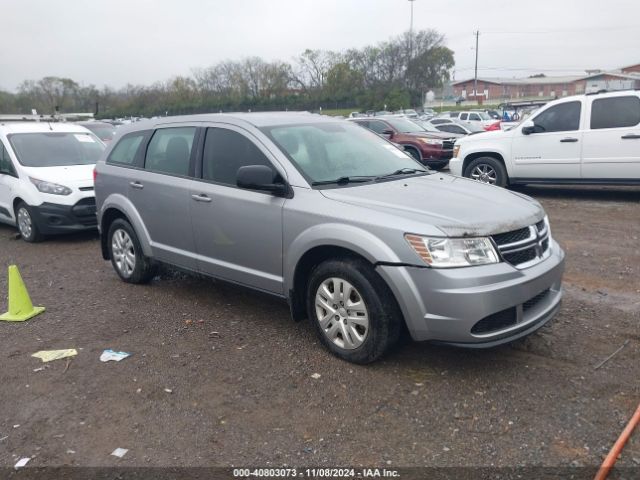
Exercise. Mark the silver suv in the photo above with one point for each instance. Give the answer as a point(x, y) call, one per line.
point(350, 230)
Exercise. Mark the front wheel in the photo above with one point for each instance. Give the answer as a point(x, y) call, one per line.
point(126, 253)
point(353, 311)
point(487, 170)
point(26, 224)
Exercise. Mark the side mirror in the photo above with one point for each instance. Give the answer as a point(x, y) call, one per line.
point(260, 177)
point(528, 127)
point(388, 133)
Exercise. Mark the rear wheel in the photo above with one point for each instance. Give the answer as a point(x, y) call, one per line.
point(353, 311)
point(487, 170)
point(126, 254)
point(26, 224)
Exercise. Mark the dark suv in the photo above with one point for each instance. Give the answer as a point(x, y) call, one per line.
point(433, 149)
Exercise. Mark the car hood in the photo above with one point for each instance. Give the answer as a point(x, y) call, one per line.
point(438, 135)
point(481, 136)
point(457, 206)
point(72, 175)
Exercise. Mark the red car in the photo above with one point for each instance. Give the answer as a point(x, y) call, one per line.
point(433, 149)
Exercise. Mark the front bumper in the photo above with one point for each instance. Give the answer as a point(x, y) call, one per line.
point(479, 306)
point(53, 218)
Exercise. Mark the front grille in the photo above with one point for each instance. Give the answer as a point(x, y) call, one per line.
point(520, 257)
point(85, 208)
point(524, 245)
point(512, 237)
point(532, 302)
point(86, 189)
point(448, 144)
point(496, 321)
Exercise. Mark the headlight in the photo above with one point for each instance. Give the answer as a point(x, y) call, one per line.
point(48, 187)
point(430, 141)
point(456, 150)
point(453, 252)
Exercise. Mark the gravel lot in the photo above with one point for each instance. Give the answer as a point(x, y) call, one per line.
point(221, 375)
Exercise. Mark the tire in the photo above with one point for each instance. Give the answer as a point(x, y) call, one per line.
point(126, 254)
point(369, 296)
point(487, 170)
point(413, 152)
point(26, 224)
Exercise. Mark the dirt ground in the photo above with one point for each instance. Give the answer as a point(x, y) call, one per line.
point(221, 375)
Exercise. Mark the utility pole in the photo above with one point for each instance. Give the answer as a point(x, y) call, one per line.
point(475, 77)
point(411, 31)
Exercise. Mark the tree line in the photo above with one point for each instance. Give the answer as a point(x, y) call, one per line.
point(395, 73)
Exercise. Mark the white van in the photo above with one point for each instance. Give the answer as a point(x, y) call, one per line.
point(46, 178)
point(588, 139)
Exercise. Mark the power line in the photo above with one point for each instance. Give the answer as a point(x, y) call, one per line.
point(560, 30)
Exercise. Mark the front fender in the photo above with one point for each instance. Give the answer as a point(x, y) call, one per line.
point(350, 237)
point(125, 206)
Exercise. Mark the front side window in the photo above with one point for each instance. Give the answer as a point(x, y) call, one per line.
point(327, 151)
point(125, 151)
point(378, 126)
point(560, 118)
point(225, 151)
point(475, 116)
point(169, 151)
point(615, 112)
point(6, 166)
point(56, 149)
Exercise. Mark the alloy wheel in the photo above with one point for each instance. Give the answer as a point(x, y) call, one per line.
point(484, 173)
point(25, 224)
point(342, 313)
point(124, 255)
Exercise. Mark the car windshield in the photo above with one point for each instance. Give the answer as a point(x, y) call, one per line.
point(428, 126)
point(404, 126)
point(330, 151)
point(56, 149)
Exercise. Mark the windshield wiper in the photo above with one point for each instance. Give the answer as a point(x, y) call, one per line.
point(403, 171)
point(345, 180)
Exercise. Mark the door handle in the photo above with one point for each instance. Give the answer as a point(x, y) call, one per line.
point(630, 136)
point(569, 140)
point(201, 198)
point(136, 185)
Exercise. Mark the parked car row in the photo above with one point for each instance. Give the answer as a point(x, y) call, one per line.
point(354, 233)
point(351, 231)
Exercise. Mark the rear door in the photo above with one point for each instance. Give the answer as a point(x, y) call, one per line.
point(554, 149)
point(8, 183)
point(611, 148)
point(161, 193)
point(238, 232)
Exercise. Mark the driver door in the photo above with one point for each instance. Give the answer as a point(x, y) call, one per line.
point(553, 150)
point(238, 232)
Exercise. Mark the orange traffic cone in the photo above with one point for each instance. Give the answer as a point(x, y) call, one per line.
point(20, 306)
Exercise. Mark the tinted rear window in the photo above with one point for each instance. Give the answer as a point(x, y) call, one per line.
point(56, 149)
point(615, 112)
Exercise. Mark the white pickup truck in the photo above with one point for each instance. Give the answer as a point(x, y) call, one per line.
point(590, 139)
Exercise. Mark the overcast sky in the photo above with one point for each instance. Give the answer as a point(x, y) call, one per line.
point(115, 42)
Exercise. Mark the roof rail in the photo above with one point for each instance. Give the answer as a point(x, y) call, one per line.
point(604, 90)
